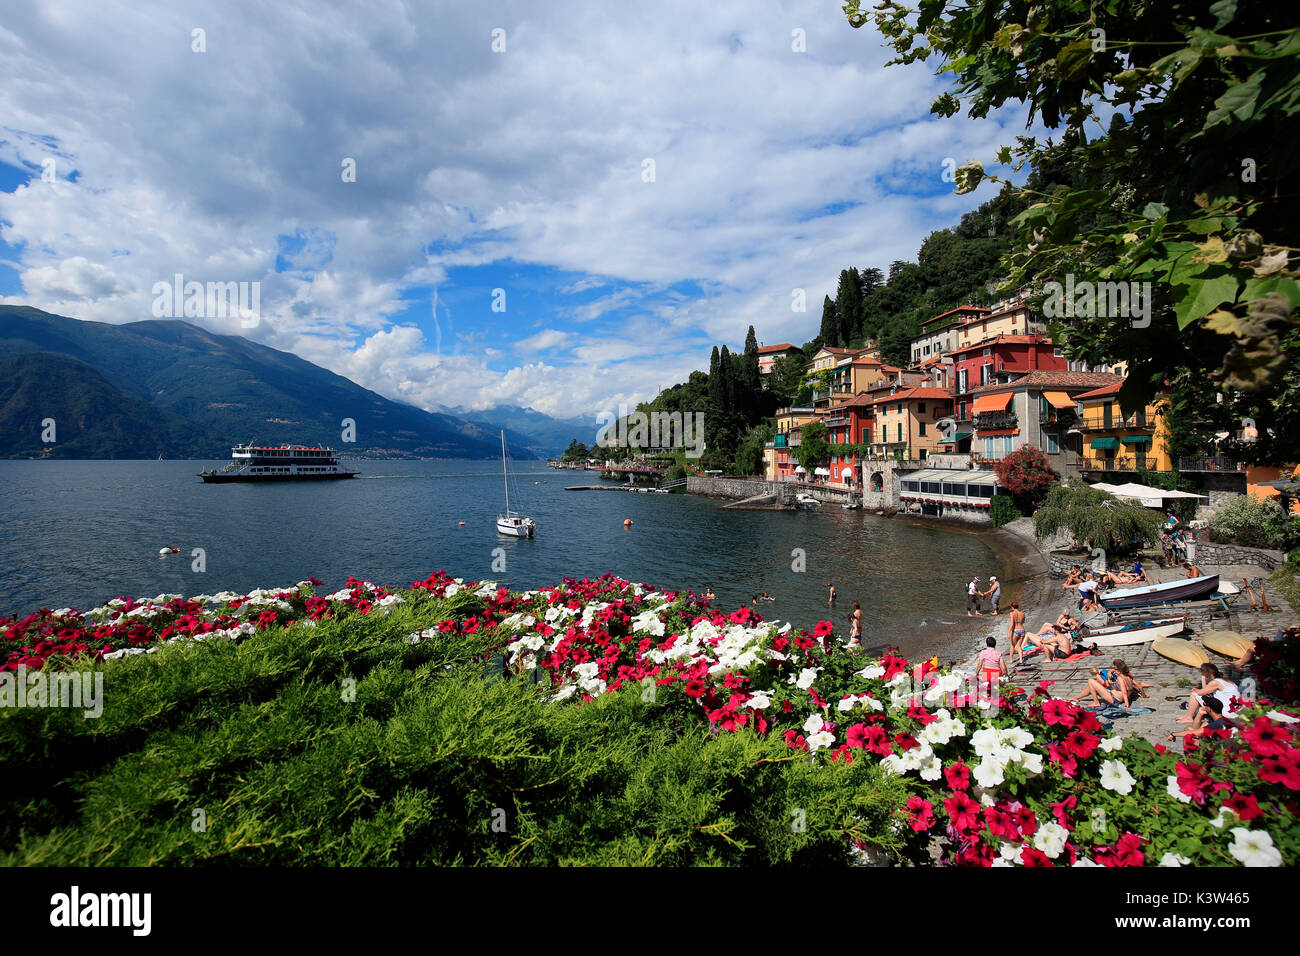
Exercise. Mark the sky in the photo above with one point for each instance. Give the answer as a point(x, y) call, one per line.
point(562, 206)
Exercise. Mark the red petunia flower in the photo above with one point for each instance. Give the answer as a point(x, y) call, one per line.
point(1060, 810)
point(1059, 712)
point(1244, 806)
point(1266, 738)
point(958, 776)
point(1031, 857)
point(963, 812)
point(921, 813)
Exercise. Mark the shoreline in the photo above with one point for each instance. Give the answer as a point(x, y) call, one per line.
point(1025, 577)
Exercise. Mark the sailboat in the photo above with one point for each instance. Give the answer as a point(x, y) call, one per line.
point(515, 525)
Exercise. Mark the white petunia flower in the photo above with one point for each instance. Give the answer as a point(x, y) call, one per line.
point(1084, 861)
point(1050, 838)
point(847, 704)
point(1254, 848)
point(806, 677)
point(988, 773)
point(1171, 787)
point(647, 622)
point(822, 738)
point(1111, 744)
point(759, 702)
point(931, 769)
point(1173, 859)
point(1115, 776)
point(813, 724)
point(872, 671)
point(986, 741)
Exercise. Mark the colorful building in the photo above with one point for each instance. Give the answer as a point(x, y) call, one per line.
point(1037, 408)
point(779, 460)
point(1114, 443)
point(907, 422)
point(848, 423)
point(768, 355)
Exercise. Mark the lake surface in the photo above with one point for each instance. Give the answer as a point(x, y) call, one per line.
point(76, 533)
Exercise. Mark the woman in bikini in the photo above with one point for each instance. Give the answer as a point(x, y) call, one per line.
point(1127, 687)
point(1016, 632)
point(1054, 639)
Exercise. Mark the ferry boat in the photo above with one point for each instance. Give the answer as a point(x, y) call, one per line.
point(279, 463)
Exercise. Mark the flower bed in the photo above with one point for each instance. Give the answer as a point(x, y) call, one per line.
point(1017, 778)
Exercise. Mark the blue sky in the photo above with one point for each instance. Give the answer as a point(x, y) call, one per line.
point(524, 169)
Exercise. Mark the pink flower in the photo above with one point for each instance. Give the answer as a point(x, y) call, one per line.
point(958, 776)
point(921, 813)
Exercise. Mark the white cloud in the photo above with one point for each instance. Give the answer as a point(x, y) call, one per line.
point(197, 162)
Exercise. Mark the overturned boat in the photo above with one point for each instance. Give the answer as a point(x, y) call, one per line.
point(1184, 589)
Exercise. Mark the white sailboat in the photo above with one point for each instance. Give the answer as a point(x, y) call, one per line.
point(515, 525)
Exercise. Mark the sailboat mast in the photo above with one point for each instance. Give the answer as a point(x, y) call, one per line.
point(504, 478)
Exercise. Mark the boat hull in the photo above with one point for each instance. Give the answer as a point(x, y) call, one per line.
point(515, 530)
point(1187, 589)
point(220, 479)
point(1138, 632)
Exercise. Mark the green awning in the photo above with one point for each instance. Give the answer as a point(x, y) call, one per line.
point(955, 438)
point(1105, 443)
point(1137, 440)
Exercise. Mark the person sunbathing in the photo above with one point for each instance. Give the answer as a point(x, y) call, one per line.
point(1054, 639)
point(1101, 684)
point(1212, 685)
point(1210, 718)
point(1128, 686)
point(1073, 579)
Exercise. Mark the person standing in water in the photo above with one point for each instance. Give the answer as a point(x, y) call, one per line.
point(855, 636)
point(831, 593)
point(994, 593)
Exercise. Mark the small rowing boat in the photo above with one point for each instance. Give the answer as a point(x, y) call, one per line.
point(1184, 589)
point(1134, 632)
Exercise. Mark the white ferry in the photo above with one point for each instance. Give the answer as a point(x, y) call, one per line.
point(279, 463)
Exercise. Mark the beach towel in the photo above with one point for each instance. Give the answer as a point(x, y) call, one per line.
point(1115, 711)
point(1077, 657)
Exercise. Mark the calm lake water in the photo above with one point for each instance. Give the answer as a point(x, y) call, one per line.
point(76, 533)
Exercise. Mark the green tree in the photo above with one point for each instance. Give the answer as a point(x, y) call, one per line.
point(786, 377)
point(830, 328)
point(749, 455)
point(814, 448)
point(1096, 518)
point(576, 450)
point(751, 361)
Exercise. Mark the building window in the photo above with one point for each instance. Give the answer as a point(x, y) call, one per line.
point(920, 408)
point(1053, 444)
point(900, 431)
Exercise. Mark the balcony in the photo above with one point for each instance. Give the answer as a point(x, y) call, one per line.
point(1119, 463)
point(837, 420)
point(826, 395)
point(1210, 464)
point(1101, 423)
point(1055, 418)
point(989, 420)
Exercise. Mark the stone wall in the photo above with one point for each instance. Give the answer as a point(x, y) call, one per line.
point(737, 489)
point(1212, 554)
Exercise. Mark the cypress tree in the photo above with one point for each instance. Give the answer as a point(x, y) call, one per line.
point(751, 360)
point(830, 330)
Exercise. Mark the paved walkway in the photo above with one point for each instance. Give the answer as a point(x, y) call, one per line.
point(1170, 678)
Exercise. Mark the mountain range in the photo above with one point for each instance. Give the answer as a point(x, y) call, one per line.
point(170, 388)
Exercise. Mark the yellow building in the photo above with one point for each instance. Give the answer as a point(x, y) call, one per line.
point(1112, 442)
point(906, 423)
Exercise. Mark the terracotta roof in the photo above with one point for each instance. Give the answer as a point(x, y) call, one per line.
point(960, 308)
point(921, 393)
point(1003, 338)
point(861, 400)
point(1104, 392)
point(867, 360)
point(783, 347)
point(1048, 378)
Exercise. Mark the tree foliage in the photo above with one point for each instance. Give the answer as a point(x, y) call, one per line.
point(1096, 518)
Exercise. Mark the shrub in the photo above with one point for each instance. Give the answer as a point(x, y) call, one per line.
point(1002, 508)
point(1250, 522)
point(1027, 474)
